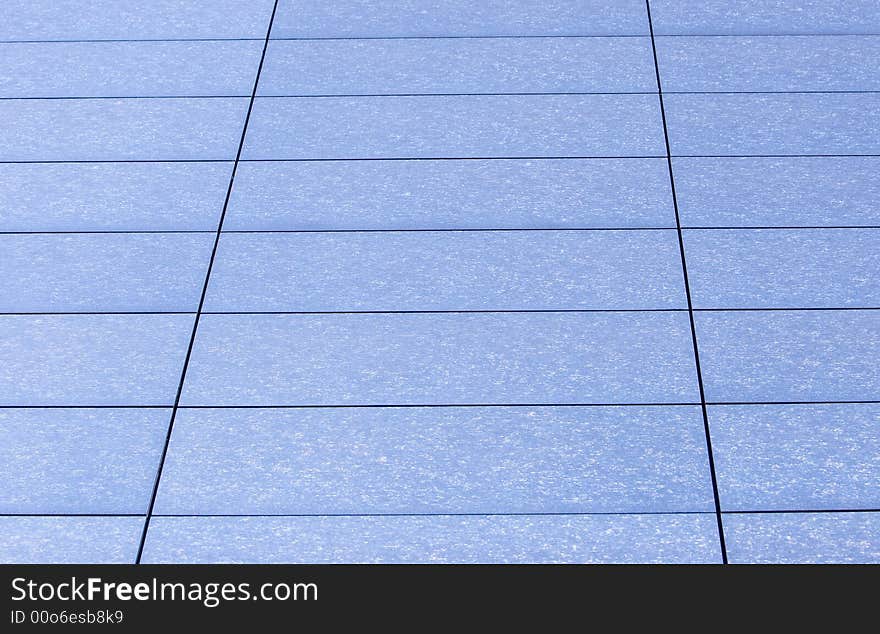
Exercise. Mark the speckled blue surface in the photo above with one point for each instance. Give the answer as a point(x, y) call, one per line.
point(449, 358)
point(128, 69)
point(67, 460)
point(121, 129)
point(112, 196)
point(423, 460)
point(425, 18)
point(448, 318)
point(459, 65)
point(87, 272)
point(469, 126)
point(506, 270)
point(525, 194)
point(770, 63)
point(626, 538)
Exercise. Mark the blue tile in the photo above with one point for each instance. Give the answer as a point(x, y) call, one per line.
point(438, 539)
point(783, 268)
point(91, 359)
point(509, 270)
point(112, 196)
point(156, 19)
point(79, 460)
point(103, 272)
point(69, 540)
point(492, 358)
point(121, 129)
point(776, 64)
point(782, 457)
point(804, 538)
point(790, 355)
point(774, 17)
point(461, 126)
point(451, 194)
point(128, 69)
point(412, 460)
point(414, 18)
point(778, 192)
point(785, 124)
point(424, 66)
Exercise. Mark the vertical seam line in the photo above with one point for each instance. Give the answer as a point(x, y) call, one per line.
point(198, 314)
point(687, 290)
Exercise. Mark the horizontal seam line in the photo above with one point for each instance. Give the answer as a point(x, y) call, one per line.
point(448, 405)
point(436, 37)
point(450, 312)
point(432, 158)
point(448, 514)
point(438, 230)
point(443, 94)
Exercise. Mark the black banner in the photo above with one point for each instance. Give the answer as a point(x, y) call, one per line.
point(230, 596)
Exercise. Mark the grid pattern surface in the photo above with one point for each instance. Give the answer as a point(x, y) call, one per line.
point(556, 281)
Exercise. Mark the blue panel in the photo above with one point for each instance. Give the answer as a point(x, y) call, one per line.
point(446, 319)
point(790, 355)
point(411, 460)
point(112, 196)
point(103, 272)
point(778, 64)
point(340, 67)
point(407, 18)
point(91, 359)
point(802, 538)
point(69, 540)
point(489, 358)
point(771, 457)
point(460, 126)
point(79, 460)
point(780, 192)
point(516, 270)
point(111, 19)
point(774, 124)
point(121, 129)
point(451, 194)
point(787, 268)
point(439, 539)
point(765, 17)
point(128, 69)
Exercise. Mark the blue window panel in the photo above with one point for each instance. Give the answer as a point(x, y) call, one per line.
point(490, 358)
point(803, 538)
point(128, 69)
point(69, 540)
point(778, 457)
point(776, 64)
point(461, 126)
point(790, 355)
point(91, 359)
point(121, 129)
point(506, 194)
point(103, 272)
point(535, 270)
point(438, 539)
point(416, 18)
point(773, 17)
point(153, 19)
point(746, 124)
point(411, 460)
point(79, 460)
point(778, 192)
point(112, 196)
point(340, 67)
point(784, 268)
